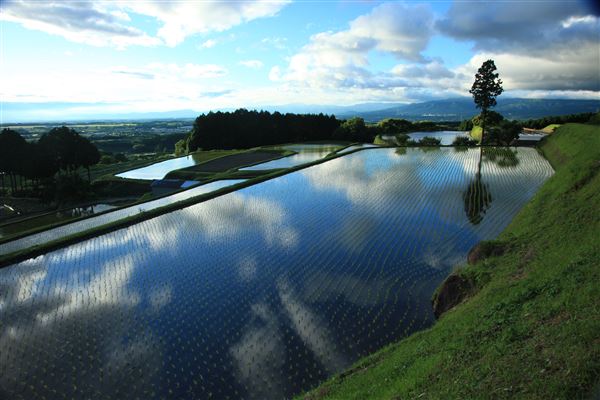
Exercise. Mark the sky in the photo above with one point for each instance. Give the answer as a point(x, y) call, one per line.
point(66, 59)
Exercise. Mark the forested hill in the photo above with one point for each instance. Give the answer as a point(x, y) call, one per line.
point(464, 108)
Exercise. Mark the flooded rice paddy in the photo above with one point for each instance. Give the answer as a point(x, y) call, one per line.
point(13, 228)
point(260, 293)
point(305, 153)
point(102, 219)
point(445, 137)
point(160, 169)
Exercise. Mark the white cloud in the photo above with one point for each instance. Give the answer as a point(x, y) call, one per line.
point(275, 73)
point(340, 59)
point(254, 64)
point(572, 70)
point(80, 22)
point(181, 19)
point(104, 23)
point(156, 86)
point(207, 44)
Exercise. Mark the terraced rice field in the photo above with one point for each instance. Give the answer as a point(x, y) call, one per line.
point(305, 153)
point(160, 169)
point(14, 228)
point(445, 137)
point(102, 219)
point(260, 293)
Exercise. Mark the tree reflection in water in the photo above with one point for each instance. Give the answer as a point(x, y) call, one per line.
point(478, 198)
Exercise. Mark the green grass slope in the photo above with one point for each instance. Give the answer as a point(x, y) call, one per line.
point(532, 328)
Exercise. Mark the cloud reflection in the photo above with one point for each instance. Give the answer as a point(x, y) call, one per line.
point(311, 329)
point(259, 356)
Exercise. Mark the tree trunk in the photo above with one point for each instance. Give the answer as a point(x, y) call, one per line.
point(479, 163)
point(483, 113)
point(12, 184)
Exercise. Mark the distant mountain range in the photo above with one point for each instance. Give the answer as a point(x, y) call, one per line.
point(463, 108)
point(455, 109)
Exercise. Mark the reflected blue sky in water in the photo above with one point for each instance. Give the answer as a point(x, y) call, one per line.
point(445, 137)
point(259, 293)
point(160, 169)
point(306, 153)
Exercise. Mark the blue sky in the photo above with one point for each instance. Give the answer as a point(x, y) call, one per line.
point(67, 59)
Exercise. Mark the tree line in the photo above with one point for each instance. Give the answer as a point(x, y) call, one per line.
point(59, 151)
point(541, 123)
point(245, 129)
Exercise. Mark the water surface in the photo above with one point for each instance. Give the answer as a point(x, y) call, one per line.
point(260, 293)
point(306, 153)
point(52, 218)
point(96, 221)
point(160, 169)
point(446, 137)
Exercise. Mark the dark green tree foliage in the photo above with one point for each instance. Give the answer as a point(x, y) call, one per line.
point(429, 141)
point(466, 125)
point(503, 133)
point(491, 118)
point(392, 126)
point(69, 149)
point(402, 139)
point(595, 119)
point(541, 123)
point(463, 141)
point(86, 154)
point(501, 156)
point(244, 129)
point(355, 130)
point(12, 152)
point(61, 143)
point(486, 87)
point(180, 147)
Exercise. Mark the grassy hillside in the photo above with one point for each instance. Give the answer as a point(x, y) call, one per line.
point(532, 327)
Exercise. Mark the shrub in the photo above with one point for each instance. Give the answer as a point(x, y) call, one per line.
point(465, 125)
point(120, 157)
point(503, 133)
point(595, 119)
point(107, 159)
point(463, 141)
point(402, 139)
point(71, 188)
point(429, 141)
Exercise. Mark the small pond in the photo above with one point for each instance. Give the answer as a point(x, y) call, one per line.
point(260, 293)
